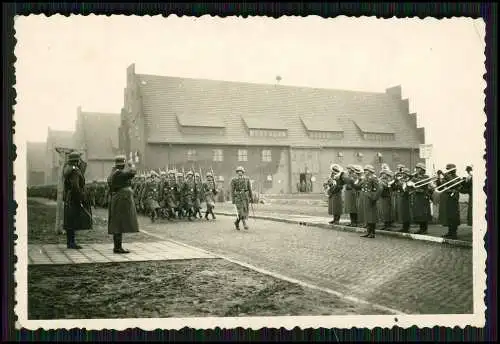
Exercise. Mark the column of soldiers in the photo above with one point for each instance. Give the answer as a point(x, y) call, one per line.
point(401, 197)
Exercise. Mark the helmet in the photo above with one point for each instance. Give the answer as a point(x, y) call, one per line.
point(240, 169)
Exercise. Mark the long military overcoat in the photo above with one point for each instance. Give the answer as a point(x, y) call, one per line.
point(403, 202)
point(370, 191)
point(77, 211)
point(449, 207)
point(241, 195)
point(335, 202)
point(420, 201)
point(209, 191)
point(350, 197)
point(122, 215)
point(467, 189)
point(385, 201)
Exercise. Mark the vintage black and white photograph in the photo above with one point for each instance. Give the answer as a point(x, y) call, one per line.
point(202, 172)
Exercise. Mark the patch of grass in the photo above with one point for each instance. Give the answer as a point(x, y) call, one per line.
point(41, 224)
point(194, 288)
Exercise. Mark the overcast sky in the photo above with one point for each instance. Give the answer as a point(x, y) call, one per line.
point(63, 63)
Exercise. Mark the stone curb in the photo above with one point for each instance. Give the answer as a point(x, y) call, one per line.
point(411, 236)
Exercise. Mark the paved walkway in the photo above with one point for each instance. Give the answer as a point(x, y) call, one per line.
point(103, 253)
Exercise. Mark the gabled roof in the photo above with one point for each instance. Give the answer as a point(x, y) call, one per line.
point(36, 156)
point(239, 105)
point(321, 123)
point(99, 134)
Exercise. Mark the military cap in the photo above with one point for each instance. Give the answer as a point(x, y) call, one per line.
point(335, 168)
point(240, 169)
point(171, 172)
point(153, 173)
point(400, 166)
point(406, 171)
point(468, 168)
point(369, 168)
point(385, 167)
point(209, 174)
point(450, 166)
point(421, 165)
point(120, 160)
point(179, 174)
point(350, 167)
point(189, 173)
point(358, 169)
point(196, 174)
point(162, 173)
point(74, 156)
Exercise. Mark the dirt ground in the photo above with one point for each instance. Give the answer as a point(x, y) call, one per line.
point(194, 288)
point(41, 223)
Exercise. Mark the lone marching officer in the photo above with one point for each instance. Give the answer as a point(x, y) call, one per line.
point(122, 215)
point(241, 195)
point(77, 212)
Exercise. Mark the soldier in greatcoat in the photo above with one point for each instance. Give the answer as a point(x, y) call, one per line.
point(420, 198)
point(400, 188)
point(209, 191)
point(179, 199)
point(77, 212)
point(199, 195)
point(360, 196)
point(396, 195)
point(386, 211)
point(150, 195)
point(168, 190)
point(467, 189)
point(350, 196)
point(449, 209)
point(334, 186)
point(370, 191)
point(122, 215)
point(241, 196)
point(189, 195)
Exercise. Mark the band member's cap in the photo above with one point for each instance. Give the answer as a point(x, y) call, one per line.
point(369, 168)
point(358, 169)
point(74, 156)
point(406, 171)
point(179, 174)
point(335, 168)
point(240, 169)
point(450, 166)
point(385, 167)
point(209, 174)
point(350, 167)
point(153, 174)
point(189, 173)
point(421, 165)
point(120, 160)
point(400, 166)
point(468, 168)
point(196, 174)
point(162, 173)
point(171, 172)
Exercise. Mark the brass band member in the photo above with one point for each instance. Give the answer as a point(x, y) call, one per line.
point(334, 186)
point(403, 199)
point(122, 216)
point(77, 212)
point(421, 209)
point(370, 190)
point(449, 210)
point(396, 195)
point(467, 189)
point(360, 197)
point(350, 196)
point(386, 212)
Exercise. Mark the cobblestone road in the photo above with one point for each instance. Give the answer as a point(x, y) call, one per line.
point(412, 276)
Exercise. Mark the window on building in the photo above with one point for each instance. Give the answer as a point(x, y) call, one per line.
point(266, 155)
point(191, 154)
point(379, 137)
point(325, 135)
point(217, 155)
point(242, 155)
point(267, 133)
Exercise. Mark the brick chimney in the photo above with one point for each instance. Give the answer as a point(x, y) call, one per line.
point(394, 91)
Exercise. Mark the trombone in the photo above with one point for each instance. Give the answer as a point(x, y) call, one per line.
point(430, 180)
point(450, 184)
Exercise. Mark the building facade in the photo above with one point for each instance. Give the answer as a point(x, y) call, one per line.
point(96, 136)
point(282, 135)
point(35, 163)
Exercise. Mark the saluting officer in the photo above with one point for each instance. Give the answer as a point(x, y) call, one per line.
point(77, 212)
point(421, 194)
point(241, 195)
point(122, 215)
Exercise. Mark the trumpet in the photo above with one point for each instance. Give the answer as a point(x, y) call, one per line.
point(450, 184)
point(430, 180)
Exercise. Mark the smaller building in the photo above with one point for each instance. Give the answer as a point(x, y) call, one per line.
point(96, 135)
point(35, 163)
point(56, 139)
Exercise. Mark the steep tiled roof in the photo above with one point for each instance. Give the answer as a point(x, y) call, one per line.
point(259, 122)
point(36, 156)
point(200, 120)
point(321, 123)
point(100, 134)
point(240, 104)
point(367, 125)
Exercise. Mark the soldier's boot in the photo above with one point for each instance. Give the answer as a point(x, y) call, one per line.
point(190, 214)
point(244, 223)
point(423, 228)
point(199, 213)
point(213, 215)
point(117, 243)
point(387, 226)
point(452, 232)
point(372, 231)
point(206, 215)
point(70, 240)
point(405, 228)
point(237, 223)
point(336, 219)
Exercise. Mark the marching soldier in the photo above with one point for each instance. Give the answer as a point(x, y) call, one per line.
point(209, 193)
point(449, 210)
point(241, 195)
point(122, 215)
point(386, 211)
point(421, 194)
point(77, 212)
point(334, 186)
point(178, 195)
point(199, 195)
point(370, 192)
point(467, 189)
point(169, 192)
point(149, 197)
point(189, 195)
point(350, 195)
point(403, 199)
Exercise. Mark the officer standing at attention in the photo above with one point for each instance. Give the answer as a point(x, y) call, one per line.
point(241, 195)
point(77, 212)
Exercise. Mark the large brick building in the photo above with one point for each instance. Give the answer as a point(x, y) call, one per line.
point(280, 134)
point(35, 163)
point(55, 139)
point(96, 136)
